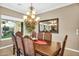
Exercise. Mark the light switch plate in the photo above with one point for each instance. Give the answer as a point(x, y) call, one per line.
point(77, 31)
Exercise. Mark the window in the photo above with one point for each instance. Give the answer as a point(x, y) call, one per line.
point(7, 27)
point(9, 24)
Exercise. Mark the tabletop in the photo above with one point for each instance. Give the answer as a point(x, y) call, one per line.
point(48, 49)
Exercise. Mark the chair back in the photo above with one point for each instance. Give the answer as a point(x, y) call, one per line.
point(33, 34)
point(48, 37)
point(20, 42)
point(29, 46)
point(15, 45)
point(40, 35)
point(14, 40)
point(63, 46)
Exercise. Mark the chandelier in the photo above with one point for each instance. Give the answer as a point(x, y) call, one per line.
point(30, 19)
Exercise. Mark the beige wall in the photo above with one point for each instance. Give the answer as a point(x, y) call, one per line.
point(68, 23)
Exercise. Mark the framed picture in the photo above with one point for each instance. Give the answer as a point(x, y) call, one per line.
point(50, 25)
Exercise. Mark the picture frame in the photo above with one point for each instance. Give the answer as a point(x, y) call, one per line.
point(49, 25)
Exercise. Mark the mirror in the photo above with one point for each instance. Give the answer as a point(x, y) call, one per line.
point(50, 25)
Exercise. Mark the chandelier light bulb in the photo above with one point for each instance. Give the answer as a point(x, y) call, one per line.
point(33, 12)
point(30, 20)
point(55, 24)
point(33, 16)
point(28, 13)
point(24, 17)
point(37, 18)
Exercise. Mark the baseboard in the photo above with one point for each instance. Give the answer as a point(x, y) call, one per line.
point(6, 46)
point(77, 51)
point(5, 39)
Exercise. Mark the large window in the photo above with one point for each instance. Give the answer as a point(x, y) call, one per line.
point(7, 27)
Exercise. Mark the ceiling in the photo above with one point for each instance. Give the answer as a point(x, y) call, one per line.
point(40, 7)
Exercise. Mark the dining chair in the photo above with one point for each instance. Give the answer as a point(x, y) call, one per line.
point(59, 49)
point(33, 34)
point(48, 37)
point(20, 44)
point(63, 46)
point(57, 52)
point(14, 43)
point(29, 46)
point(40, 36)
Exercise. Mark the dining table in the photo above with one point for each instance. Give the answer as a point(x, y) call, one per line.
point(47, 49)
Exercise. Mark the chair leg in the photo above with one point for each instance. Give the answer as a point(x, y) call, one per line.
point(25, 54)
point(18, 53)
point(13, 49)
point(35, 54)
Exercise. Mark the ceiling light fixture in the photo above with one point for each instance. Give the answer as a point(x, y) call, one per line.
point(30, 19)
point(31, 14)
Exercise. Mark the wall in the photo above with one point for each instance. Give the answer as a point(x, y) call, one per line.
point(68, 23)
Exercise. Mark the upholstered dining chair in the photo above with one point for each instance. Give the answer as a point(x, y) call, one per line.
point(20, 44)
point(48, 37)
point(59, 49)
point(40, 36)
point(63, 46)
point(29, 46)
point(25, 45)
point(33, 34)
point(14, 43)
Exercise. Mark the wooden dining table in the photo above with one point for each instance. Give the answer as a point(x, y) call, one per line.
point(47, 49)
